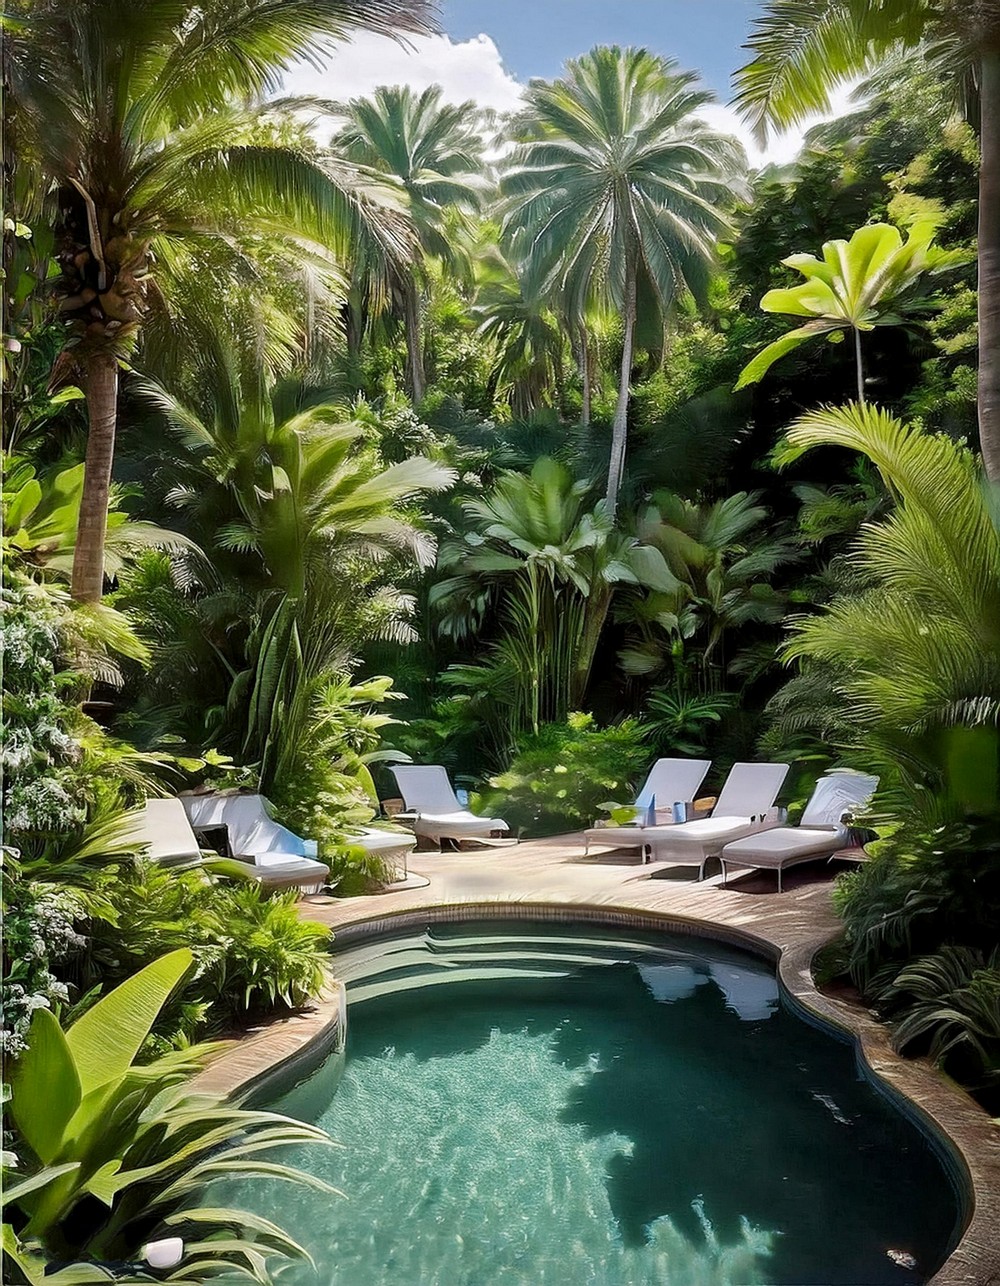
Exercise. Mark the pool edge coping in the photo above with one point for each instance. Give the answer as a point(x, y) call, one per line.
point(962, 1132)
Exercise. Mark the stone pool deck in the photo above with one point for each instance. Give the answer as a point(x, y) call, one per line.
point(553, 877)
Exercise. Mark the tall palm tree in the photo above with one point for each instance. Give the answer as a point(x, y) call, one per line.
point(133, 114)
point(434, 151)
point(617, 189)
point(803, 50)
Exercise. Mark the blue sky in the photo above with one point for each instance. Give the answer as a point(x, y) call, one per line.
point(488, 50)
point(535, 37)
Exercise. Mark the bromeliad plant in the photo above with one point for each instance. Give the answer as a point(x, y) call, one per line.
point(112, 1153)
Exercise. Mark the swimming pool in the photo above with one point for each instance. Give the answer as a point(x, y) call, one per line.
point(538, 1104)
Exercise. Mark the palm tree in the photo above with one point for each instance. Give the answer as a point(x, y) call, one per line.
point(132, 113)
point(875, 279)
point(803, 50)
point(434, 151)
point(617, 189)
point(529, 341)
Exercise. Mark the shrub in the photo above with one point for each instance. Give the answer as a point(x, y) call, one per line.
point(254, 953)
point(39, 933)
point(918, 893)
point(562, 775)
point(951, 1006)
point(42, 787)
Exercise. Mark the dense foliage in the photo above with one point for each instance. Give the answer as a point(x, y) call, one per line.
point(314, 411)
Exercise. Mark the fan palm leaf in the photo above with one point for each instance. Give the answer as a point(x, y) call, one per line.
point(915, 656)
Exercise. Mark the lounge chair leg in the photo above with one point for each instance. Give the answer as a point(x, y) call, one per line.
point(723, 865)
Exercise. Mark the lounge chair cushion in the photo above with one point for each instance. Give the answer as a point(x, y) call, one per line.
point(163, 829)
point(692, 842)
point(837, 794)
point(671, 781)
point(750, 789)
point(784, 844)
point(462, 824)
point(620, 836)
point(377, 841)
point(251, 827)
point(276, 854)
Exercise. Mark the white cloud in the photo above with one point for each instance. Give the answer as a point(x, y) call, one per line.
point(781, 148)
point(473, 70)
point(467, 69)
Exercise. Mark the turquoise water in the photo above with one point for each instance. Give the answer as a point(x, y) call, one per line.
point(541, 1105)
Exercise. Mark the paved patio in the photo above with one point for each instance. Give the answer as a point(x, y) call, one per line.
point(551, 871)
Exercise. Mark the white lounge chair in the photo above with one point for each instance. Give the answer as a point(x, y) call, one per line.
point(277, 856)
point(163, 829)
point(748, 794)
point(670, 781)
point(432, 809)
point(820, 833)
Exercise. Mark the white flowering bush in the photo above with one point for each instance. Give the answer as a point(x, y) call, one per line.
point(43, 797)
point(39, 935)
point(39, 757)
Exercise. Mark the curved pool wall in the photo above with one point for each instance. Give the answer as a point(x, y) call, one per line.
point(391, 971)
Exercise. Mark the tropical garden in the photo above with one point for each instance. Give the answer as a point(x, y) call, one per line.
point(337, 432)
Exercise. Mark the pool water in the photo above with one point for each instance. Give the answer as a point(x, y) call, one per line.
point(548, 1105)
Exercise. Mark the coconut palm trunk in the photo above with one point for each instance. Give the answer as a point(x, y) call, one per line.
point(989, 264)
point(415, 380)
point(102, 409)
point(585, 375)
point(619, 429)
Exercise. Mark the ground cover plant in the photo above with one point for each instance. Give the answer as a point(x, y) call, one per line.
point(537, 446)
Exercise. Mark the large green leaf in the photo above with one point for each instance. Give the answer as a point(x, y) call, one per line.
point(47, 1087)
point(20, 504)
point(107, 1038)
point(13, 1194)
point(653, 570)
